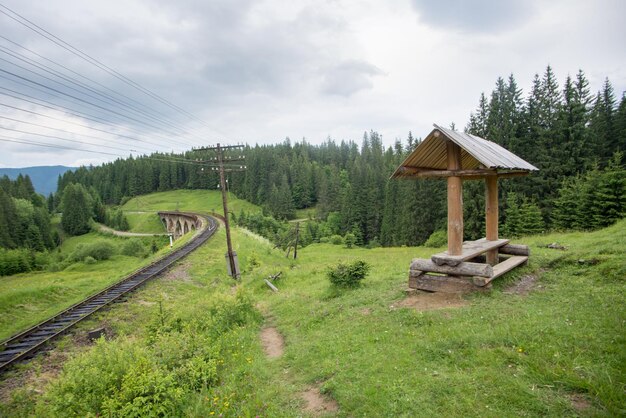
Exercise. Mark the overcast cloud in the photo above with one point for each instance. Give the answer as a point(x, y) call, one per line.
point(259, 71)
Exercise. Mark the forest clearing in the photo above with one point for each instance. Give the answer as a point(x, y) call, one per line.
point(547, 340)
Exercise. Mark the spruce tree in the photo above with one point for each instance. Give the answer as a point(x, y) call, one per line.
point(76, 206)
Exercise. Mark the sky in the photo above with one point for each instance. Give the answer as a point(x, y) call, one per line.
point(241, 71)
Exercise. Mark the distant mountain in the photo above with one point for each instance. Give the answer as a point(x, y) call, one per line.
point(44, 178)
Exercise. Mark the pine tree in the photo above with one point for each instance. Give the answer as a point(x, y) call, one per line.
point(602, 134)
point(567, 213)
point(7, 217)
point(513, 217)
point(76, 206)
point(531, 221)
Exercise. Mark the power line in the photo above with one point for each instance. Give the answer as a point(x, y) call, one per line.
point(73, 112)
point(64, 131)
point(159, 118)
point(81, 100)
point(82, 76)
point(63, 44)
point(39, 144)
point(65, 139)
point(88, 95)
point(76, 123)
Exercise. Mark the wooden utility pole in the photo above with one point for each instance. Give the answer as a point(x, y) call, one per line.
point(231, 256)
point(229, 245)
point(295, 248)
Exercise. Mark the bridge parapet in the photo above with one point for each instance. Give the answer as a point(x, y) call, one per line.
point(179, 223)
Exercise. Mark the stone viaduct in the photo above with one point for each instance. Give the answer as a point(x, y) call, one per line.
point(179, 223)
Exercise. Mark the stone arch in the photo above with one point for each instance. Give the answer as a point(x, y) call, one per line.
point(178, 230)
point(185, 227)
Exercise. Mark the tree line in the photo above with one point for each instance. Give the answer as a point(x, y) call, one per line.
point(573, 136)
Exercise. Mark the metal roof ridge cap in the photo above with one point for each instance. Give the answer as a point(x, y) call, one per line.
point(444, 132)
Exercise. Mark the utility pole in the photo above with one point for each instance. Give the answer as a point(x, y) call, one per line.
point(295, 248)
point(231, 256)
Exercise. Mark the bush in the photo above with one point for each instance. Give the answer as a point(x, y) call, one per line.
point(374, 243)
point(336, 240)
point(15, 261)
point(253, 262)
point(134, 248)
point(350, 240)
point(324, 240)
point(437, 239)
point(89, 260)
point(100, 250)
point(156, 376)
point(348, 275)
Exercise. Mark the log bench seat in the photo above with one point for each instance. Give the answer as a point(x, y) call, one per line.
point(470, 250)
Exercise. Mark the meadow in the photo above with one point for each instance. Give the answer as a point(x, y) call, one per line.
point(547, 340)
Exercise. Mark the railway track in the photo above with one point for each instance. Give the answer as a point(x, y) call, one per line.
point(25, 344)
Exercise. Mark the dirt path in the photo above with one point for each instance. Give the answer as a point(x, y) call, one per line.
point(273, 343)
point(315, 402)
point(105, 228)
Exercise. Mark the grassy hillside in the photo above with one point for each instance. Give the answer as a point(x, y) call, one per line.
point(548, 340)
point(145, 222)
point(191, 200)
point(29, 298)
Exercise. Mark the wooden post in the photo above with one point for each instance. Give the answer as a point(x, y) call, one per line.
point(491, 216)
point(455, 201)
point(295, 247)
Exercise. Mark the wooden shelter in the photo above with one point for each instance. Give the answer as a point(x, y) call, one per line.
point(458, 156)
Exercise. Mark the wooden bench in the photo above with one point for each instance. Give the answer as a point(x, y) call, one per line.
point(456, 274)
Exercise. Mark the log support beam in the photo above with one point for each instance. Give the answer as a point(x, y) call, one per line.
point(455, 201)
point(491, 216)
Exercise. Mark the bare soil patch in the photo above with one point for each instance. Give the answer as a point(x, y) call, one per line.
point(366, 311)
point(524, 285)
point(318, 404)
point(273, 343)
point(580, 402)
point(427, 301)
point(180, 272)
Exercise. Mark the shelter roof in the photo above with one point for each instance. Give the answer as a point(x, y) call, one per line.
point(477, 154)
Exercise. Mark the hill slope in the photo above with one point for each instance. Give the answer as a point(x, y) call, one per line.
point(547, 341)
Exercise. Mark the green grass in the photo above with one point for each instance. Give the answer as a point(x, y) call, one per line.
point(28, 298)
point(191, 200)
point(306, 213)
point(499, 355)
point(146, 223)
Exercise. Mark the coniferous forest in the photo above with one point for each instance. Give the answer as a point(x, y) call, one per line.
point(573, 135)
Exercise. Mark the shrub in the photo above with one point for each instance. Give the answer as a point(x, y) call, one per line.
point(374, 243)
point(253, 262)
point(100, 250)
point(134, 248)
point(336, 240)
point(350, 240)
point(15, 261)
point(89, 260)
point(325, 240)
point(437, 239)
point(348, 275)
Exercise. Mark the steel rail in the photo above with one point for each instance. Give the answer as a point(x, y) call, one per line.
point(25, 344)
